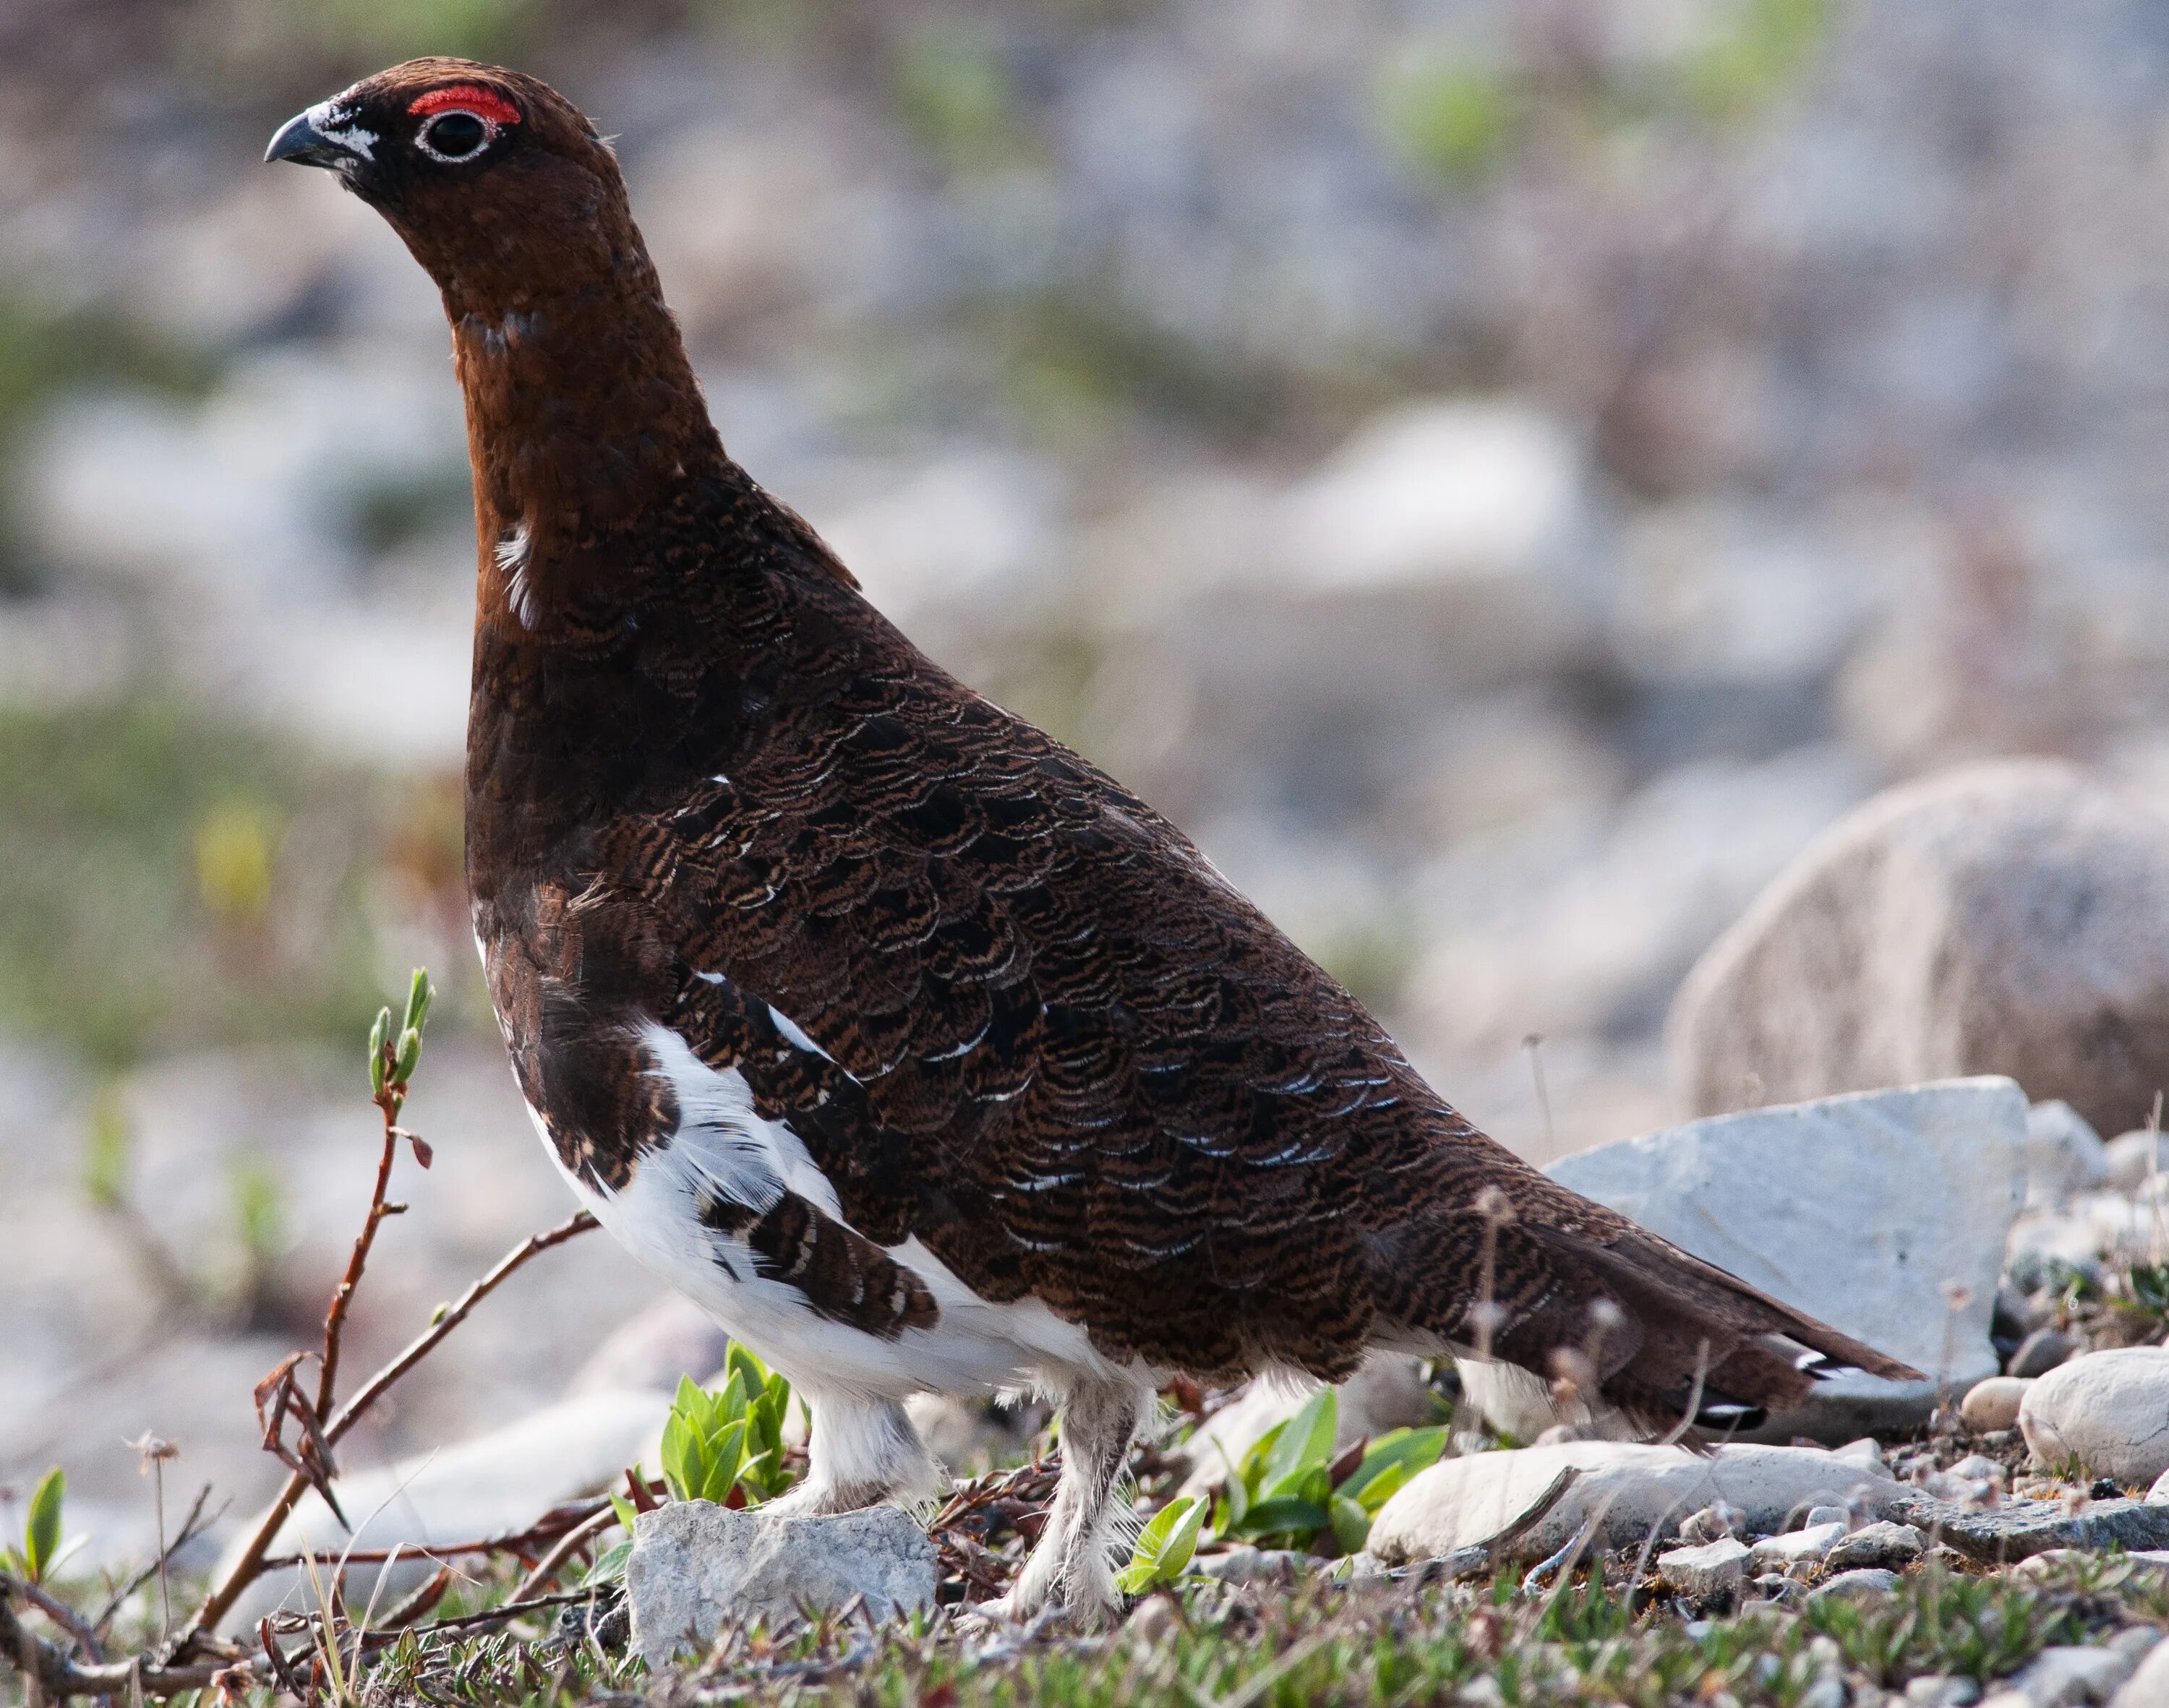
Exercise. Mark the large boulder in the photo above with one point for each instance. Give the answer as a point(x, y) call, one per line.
point(1633, 1491)
point(2002, 918)
point(1861, 1210)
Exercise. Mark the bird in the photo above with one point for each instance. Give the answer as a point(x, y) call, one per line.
point(916, 1050)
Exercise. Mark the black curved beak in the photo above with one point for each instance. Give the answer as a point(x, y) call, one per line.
point(299, 141)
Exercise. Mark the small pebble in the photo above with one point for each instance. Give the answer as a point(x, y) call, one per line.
point(1992, 1404)
point(2041, 1352)
point(1704, 1573)
point(1797, 1545)
point(1865, 1584)
point(1828, 1515)
point(1943, 1690)
point(1887, 1544)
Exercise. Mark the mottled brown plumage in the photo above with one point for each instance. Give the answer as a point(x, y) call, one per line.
point(1011, 1012)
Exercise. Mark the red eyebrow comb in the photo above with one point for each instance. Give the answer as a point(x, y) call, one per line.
point(470, 98)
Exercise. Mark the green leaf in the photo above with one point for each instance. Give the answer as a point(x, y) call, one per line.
point(410, 1056)
point(1228, 1516)
point(684, 1467)
point(1413, 1450)
point(41, 1535)
point(1307, 1440)
point(1351, 1524)
point(1379, 1489)
point(626, 1512)
point(1250, 1468)
point(731, 1402)
point(419, 995)
point(1163, 1546)
point(609, 1564)
point(1272, 1517)
point(377, 1034)
point(740, 1362)
point(726, 1454)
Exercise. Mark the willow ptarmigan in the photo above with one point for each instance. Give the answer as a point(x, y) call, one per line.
point(919, 1053)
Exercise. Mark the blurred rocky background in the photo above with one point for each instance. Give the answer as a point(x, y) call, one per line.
point(1503, 474)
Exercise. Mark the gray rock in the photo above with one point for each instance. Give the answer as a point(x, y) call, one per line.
point(1795, 1547)
point(2064, 1155)
point(2068, 1673)
point(2006, 917)
point(1867, 1583)
point(2147, 1687)
point(1882, 1544)
point(2135, 1157)
point(2109, 1411)
point(2042, 1351)
point(1249, 1565)
point(2018, 1530)
point(696, 1566)
point(1943, 1690)
point(1992, 1404)
point(1706, 1573)
point(1915, 1188)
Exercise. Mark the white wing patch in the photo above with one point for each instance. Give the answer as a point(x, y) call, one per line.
point(723, 1147)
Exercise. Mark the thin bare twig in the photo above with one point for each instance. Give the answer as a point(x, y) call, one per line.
point(250, 1565)
point(420, 1346)
point(66, 1617)
point(542, 1532)
point(51, 1674)
point(552, 1563)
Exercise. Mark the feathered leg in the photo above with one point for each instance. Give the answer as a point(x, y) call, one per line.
point(863, 1450)
point(1071, 1563)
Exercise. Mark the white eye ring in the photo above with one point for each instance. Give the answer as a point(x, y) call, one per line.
point(489, 133)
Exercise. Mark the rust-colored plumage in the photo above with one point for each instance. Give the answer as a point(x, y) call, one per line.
point(1029, 1040)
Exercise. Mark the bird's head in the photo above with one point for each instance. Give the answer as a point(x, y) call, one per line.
point(483, 171)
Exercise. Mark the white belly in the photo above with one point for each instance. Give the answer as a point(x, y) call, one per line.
point(722, 1144)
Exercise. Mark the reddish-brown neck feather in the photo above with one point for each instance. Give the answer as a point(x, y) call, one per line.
point(583, 411)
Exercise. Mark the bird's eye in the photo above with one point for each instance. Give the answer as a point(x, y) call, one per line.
point(453, 136)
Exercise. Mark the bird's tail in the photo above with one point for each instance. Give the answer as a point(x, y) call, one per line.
point(1612, 1315)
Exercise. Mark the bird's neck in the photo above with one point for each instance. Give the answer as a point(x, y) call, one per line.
point(583, 416)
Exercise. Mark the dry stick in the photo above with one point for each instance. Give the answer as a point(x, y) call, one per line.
point(65, 1617)
point(544, 1530)
point(420, 1346)
point(50, 1674)
point(342, 1297)
point(552, 1563)
point(250, 1564)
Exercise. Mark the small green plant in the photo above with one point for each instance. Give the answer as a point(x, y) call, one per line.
point(42, 1529)
point(1163, 1546)
point(727, 1446)
point(1290, 1486)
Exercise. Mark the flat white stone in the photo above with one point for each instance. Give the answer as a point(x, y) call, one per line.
point(1858, 1210)
point(1640, 1491)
